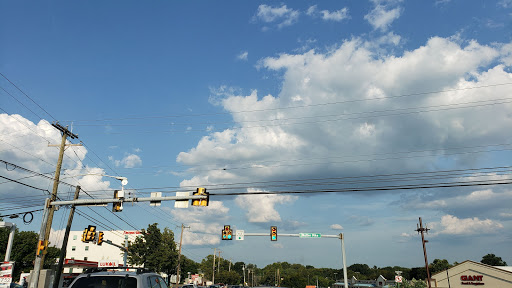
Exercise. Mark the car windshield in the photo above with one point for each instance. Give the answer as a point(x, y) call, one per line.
point(106, 282)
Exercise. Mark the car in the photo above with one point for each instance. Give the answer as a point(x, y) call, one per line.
point(118, 277)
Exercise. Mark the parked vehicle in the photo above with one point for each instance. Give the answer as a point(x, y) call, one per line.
point(103, 277)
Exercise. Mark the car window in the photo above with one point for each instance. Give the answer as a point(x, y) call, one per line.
point(106, 282)
point(163, 284)
point(156, 282)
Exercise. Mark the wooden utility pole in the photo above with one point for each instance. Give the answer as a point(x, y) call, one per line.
point(178, 280)
point(218, 269)
point(65, 133)
point(213, 269)
point(421, 230)
point(58, 273)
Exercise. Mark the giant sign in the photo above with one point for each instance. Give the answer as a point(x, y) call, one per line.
point(474, 280)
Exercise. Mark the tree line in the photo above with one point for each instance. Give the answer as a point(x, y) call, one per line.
point(157, 251)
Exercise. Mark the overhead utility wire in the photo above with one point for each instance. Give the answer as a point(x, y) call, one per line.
point(299, 181)
point(20, 102)
point(28, 96)
point(313, 122)
point(291, 107)
point(38, 116)
point(333, 157)
point(226, 167)
point(319, 116)
point(368, 189)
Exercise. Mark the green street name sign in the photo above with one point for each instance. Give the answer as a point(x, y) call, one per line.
point(310, 235)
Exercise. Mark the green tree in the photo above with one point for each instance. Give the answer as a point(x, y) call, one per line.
point(154, 250)
point(438, 265)
point(24, 251)
point(493, 260)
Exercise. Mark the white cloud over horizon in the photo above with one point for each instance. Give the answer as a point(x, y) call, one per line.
point(362, 80)
point(451, 225)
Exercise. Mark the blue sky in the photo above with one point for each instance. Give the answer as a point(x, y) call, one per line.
point(251, 96)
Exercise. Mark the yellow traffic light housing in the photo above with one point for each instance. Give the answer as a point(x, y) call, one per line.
point(118, 206)
point(201, 202)
point(227, 233)
point(41, 247)
point(273, 233)
point(84, 235)
point(100, 238)
point(90, 233)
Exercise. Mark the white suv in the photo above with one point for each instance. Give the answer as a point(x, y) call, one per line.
point(112, 278)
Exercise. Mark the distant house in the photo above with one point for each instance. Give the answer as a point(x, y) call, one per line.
point(380, 282)
point(474, 274)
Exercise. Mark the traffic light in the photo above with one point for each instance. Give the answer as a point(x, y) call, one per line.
point(118, 207)
point(84, 235)
point(273, 233)
point(90, 233)
point(100, 238)
point(201, 202)
point(41, 247)
point(227, 233)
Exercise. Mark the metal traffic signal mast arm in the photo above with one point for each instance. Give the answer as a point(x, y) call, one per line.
point(85, 202)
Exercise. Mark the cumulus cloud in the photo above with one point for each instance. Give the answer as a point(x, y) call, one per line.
point(336, 105)
point(452, 225)
point(336, 227)
point(327, 15)
point(382, 16)
point(129, 161)
point(25, 144)
point(283, 15)
point(338, 15)
point(204, 222)
point(262, 208)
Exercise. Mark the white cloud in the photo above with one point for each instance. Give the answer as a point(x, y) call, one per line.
point(129, 161)
point(25, 144)
point(243, 56)
point(338, 15)
point(381, 17)
point(452, 225)
point(204, 222)
point(261, 208)
point(336, 227)
point(283, 15)
point(274, 141)
point(311, 10)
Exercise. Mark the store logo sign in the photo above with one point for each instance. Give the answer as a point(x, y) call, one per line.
point(472, 279)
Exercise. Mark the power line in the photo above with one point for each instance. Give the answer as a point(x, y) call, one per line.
point(291, 107)
point(370, 189)
point(28, 97)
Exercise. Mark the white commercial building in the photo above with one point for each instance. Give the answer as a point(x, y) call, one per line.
point(79, 250)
